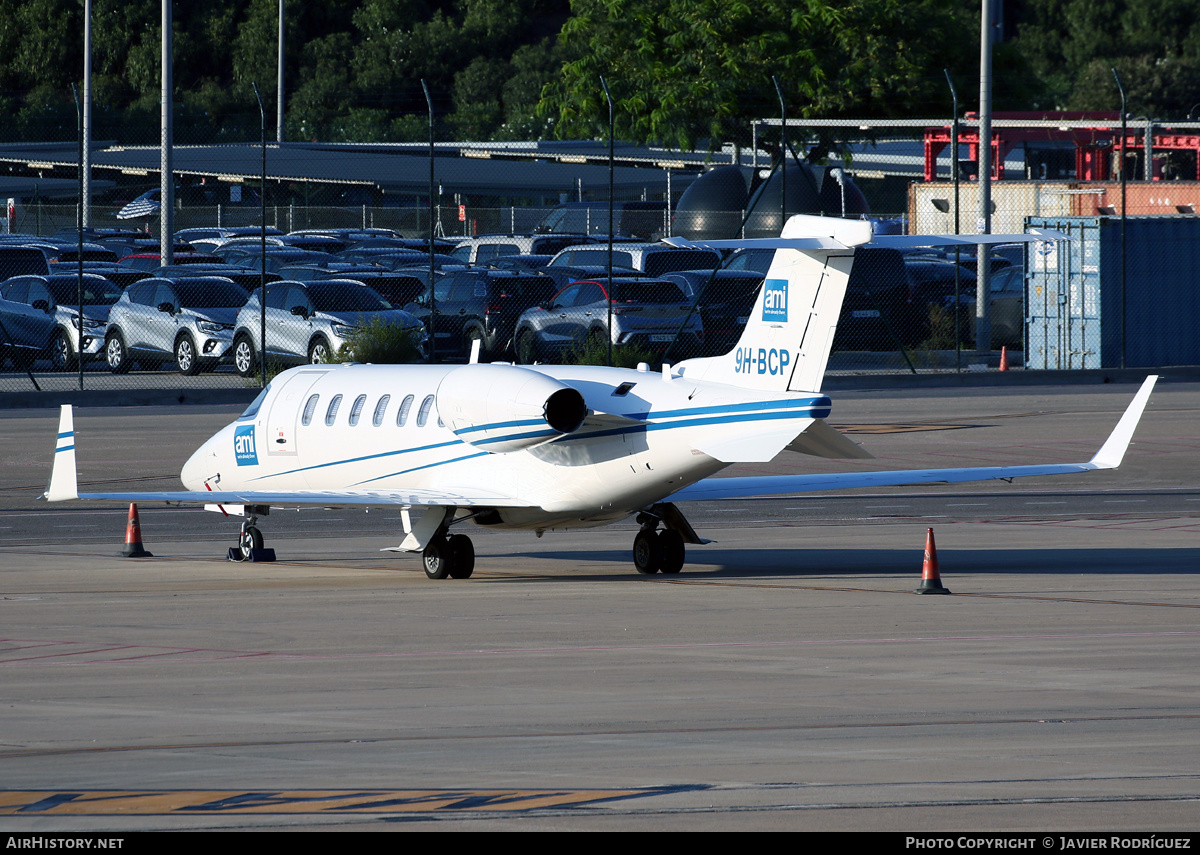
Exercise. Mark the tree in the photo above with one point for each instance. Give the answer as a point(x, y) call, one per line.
point(684, 70)
point(1073, 45)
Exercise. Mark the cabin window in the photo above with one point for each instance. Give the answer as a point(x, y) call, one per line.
point(405, 406)
point(331, 413)
point(423, 415)
point(357, 409)
point(309, 409)
point(379, 410)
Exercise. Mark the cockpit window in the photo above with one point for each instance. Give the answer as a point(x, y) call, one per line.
point(252, 410)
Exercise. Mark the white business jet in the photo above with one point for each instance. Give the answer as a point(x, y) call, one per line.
point(563, 447)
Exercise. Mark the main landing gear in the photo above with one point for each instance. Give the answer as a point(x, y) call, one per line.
point(660, 551)
point(450, 556)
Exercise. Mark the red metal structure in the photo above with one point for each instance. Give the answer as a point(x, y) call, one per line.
point(1094, 146)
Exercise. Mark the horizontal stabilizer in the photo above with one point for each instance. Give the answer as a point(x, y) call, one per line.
point(740, 445)
point(821, 440)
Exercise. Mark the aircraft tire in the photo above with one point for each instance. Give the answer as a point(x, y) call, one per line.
point(437, 558)
point(250, 538)
point(462, 556)
point(672, 550)
point(647, 552)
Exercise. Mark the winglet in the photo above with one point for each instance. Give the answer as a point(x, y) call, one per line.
point(64, 483)
point(1113, 451)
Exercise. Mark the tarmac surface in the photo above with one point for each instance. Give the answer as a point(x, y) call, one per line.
point(787, 679)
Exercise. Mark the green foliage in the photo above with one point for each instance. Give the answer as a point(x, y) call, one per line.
point(380, 343)
point(683, 70)
point(593, 350)
point(1072, 46)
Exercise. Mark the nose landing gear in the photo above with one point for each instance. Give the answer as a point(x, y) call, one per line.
point(250, 542)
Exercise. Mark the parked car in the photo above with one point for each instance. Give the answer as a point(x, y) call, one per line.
point(117, 274)
point(188, 320)
point(479, 303)
point(636, 219)
point(483, 248)
point(18, 260)
point(399, 289)
point(149, 261)
point(249, 278)
point(40, 315)
point(645, 312)
point(653, 259)
point(1006, 312)
point(724, 301)
point(882, 309)
point(757, 260)
point(305, 321)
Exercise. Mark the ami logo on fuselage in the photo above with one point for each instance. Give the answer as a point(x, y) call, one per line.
point(775, 300)
point(243, 446)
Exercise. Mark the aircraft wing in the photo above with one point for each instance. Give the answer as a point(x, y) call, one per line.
point(1108, 457)
point(318, 498)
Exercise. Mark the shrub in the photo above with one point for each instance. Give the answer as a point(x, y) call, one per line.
point(381, 343)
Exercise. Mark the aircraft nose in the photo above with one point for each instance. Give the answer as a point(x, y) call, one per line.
point(202, 465)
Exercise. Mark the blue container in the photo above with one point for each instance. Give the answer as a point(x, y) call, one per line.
point(1078, 314)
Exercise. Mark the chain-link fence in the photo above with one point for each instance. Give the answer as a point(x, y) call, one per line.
point(530, 280)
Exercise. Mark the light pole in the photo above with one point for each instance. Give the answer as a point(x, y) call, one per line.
point(262, 258)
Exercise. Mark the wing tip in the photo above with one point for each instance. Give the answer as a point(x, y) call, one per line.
point(1113, 451)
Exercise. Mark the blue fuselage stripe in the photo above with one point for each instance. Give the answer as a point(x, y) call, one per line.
point(757, 411)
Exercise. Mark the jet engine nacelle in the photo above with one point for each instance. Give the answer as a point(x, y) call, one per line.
point(500, 408)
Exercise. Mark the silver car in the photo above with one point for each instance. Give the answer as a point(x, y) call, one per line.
point(647, 313)
point(39, 318)
point(308, 320)
point(188, 321)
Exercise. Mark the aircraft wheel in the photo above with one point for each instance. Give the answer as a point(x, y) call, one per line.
point(244, 359)
point(670, 546)
point(462, 556)
point(250, 538)
point(647, 553)
point(437, 558)
point(186, 357)
point(115, 353)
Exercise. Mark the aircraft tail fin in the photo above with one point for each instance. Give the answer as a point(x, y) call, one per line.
point(789, 334)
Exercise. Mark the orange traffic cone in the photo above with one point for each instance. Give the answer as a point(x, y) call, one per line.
point(133, 536)
point(1004, 358)
point(931, 582)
